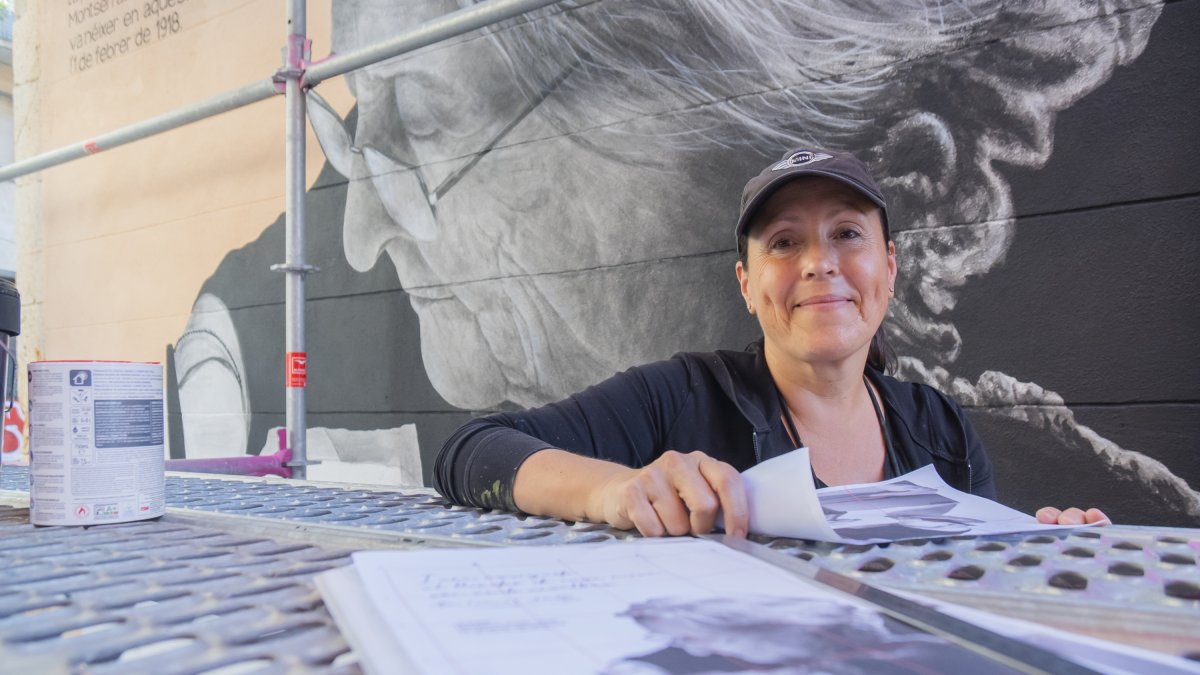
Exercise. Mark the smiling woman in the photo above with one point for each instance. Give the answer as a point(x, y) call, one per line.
point(817, 268)
point(818, 265)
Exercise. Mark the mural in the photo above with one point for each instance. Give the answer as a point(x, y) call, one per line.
point(525, 210)
point(759, 633)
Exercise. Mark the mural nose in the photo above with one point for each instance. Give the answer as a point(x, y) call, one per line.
point(403, 194)
point(368, 227)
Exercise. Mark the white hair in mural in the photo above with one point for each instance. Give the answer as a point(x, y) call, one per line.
point(557, 195)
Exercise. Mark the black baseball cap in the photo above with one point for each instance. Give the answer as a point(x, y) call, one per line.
point(840, 166)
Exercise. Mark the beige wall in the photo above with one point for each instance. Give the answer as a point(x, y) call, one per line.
point(114, 247)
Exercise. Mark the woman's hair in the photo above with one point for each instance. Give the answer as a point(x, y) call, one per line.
point(882, 356)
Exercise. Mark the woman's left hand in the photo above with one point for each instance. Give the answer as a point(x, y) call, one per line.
point(1049, 515)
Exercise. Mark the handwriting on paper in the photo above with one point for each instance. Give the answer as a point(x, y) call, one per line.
point(481, 587)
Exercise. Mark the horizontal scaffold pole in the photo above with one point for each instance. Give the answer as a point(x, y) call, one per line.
point(431, 32)
point(252, 93)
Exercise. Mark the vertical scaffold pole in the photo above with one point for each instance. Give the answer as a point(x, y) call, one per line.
point(292, 79)
point(296, 356)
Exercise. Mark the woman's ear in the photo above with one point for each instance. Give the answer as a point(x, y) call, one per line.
point(744, 282)
point(891, 258)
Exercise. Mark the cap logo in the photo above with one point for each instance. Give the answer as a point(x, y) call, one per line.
point(800, 159)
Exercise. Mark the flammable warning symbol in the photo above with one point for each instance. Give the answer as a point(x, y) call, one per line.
point(297, 369)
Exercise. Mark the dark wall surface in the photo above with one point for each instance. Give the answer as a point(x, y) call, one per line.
point(1097, 299)
point(585, 164)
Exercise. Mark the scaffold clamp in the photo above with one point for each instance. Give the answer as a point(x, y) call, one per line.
point(300, 269)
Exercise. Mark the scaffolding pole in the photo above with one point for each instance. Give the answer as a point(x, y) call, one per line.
point(296, 75)
point(428, 33)
point(296, 355)
point(251, 93)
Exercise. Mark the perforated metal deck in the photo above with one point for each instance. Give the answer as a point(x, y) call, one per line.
point(239, 554)
point(161, 597)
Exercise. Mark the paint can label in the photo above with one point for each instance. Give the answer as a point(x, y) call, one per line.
point(297, 369)
point(96, 442)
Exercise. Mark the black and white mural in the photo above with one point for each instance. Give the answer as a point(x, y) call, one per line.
point(512, 215)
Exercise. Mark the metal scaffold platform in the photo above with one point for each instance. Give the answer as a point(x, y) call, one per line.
point(226, 576)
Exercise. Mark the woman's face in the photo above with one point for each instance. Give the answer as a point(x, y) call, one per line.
point(819, 271)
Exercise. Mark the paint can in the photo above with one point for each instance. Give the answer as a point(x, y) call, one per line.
point(96, 442)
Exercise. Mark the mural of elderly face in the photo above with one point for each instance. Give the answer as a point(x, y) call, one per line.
point(786, 635)
point(526, 251)
point(556, 194)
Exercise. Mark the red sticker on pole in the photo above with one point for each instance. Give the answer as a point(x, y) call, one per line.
point(297, 369)
point(91, 147)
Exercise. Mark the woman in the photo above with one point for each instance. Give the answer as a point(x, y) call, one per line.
point(660, 447)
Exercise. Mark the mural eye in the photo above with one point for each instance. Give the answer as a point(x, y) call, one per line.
point(403, 195)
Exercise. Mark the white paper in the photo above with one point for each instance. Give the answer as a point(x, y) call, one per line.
point(638, 607)
point(784, 502)
point(783, 498)
point(1103, 656)
point(917, 505)
point(362, 625)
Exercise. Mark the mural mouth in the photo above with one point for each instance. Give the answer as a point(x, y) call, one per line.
point(423, 296)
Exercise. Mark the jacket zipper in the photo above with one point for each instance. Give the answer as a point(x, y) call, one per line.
point(970, 479)
point(757, 454)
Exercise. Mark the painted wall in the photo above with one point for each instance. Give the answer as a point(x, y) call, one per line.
point(112, 250)
point(508, 217)
point(8, 226)
point(120, 242)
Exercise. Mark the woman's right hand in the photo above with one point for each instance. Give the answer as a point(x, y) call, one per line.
point(676, 494)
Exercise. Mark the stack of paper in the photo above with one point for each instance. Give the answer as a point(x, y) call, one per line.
point(681, 606)
point(665, 606)
point(696, 606)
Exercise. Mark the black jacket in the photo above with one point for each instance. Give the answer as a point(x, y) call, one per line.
point(724, 403)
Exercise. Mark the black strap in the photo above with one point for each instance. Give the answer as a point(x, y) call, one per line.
point(789, 424)
point(889, 457)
